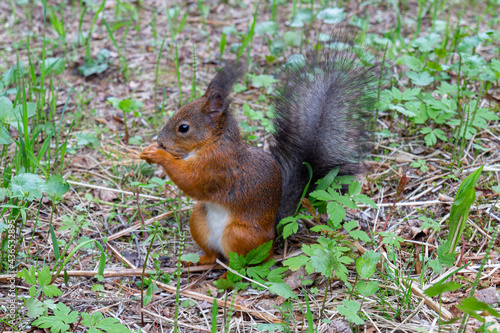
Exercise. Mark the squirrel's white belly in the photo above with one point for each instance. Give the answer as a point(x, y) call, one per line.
point(217, 217)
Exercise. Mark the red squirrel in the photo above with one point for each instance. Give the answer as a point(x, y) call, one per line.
point(323, 104)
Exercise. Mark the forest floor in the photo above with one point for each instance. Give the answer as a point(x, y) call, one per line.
point(438, 122)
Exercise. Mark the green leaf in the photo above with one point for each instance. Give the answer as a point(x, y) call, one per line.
point(260, 271)
point(50, 304)
point(65, 314)
point(367, 264)
point(12, 73)
point(331, 15)
point(286, 220)
point(257, 255)
point(348, 226)
point(276, 275)
point(266, 28)
point(347, 201)
point(459, 213)
point(326, 181)
point(426, 44)
point(436, 266)
point(59, 322)
point(336, 212)
point(52, 291)
point(149, 293)
point(326, 262)
point(289, 229)
point(35, 307)
point(354, 188)
point(98, 287)
point(444, 256)
point(496, 189)
point(28, 276)
point(27, 186)
point(86, 139)
point(301, 17)
point(321, 228)
point(440, 134)
point(360, 234)
point(188, 303)
point(90, 320)
point(224, 284)
point(6, 109)
point(420, 79)
point(102, 261)
point(430, 139)
point(364, 199)
point(190, 257)
point(293, 39)
point(367, 288)
point(95, 66)
point(413, 63)
point(471, 305)
point(236, 261)
point(349, 309)
point(230, 30)
point(4, 136)
point(56, 186)
point(44, 276)
point(402, 110)
point(282, 289)
point(129, 105)
point(265, 81)
point(13, 115)
point(440, 288)
point(55, 324)
point(321, 195)
point(55, 243)
point(114, 101)
point(54, 65)
point(295, 263)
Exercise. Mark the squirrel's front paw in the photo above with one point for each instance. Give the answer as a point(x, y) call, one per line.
point(153, 154)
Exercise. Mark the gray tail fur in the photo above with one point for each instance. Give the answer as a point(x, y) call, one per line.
point(324, 104)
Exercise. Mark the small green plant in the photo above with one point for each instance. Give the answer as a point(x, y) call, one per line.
point(328, 198)
point(63, 316)
point(327, 257)
point(255, 266)
point(456, 111)
point(264, 120)
point(420, 164)
point(124, 69)
point(428, 223)
point(126, 106)
point(86, 139)
point(465, 197)
point(57, 22)
point(95, 66)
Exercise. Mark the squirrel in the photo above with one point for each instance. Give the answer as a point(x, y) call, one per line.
point(323, 103)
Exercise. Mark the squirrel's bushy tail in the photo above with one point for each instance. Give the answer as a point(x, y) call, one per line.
point(324, 104)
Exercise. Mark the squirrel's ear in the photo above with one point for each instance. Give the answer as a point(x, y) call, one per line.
point(214, 106)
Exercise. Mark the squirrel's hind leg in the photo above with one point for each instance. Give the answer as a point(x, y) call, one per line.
point(240, 239)
point(200, 231)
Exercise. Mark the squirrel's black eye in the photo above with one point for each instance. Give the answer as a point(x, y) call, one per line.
point(183, 128)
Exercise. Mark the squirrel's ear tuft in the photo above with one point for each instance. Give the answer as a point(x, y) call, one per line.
point(225, 79)
point(220, 87)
